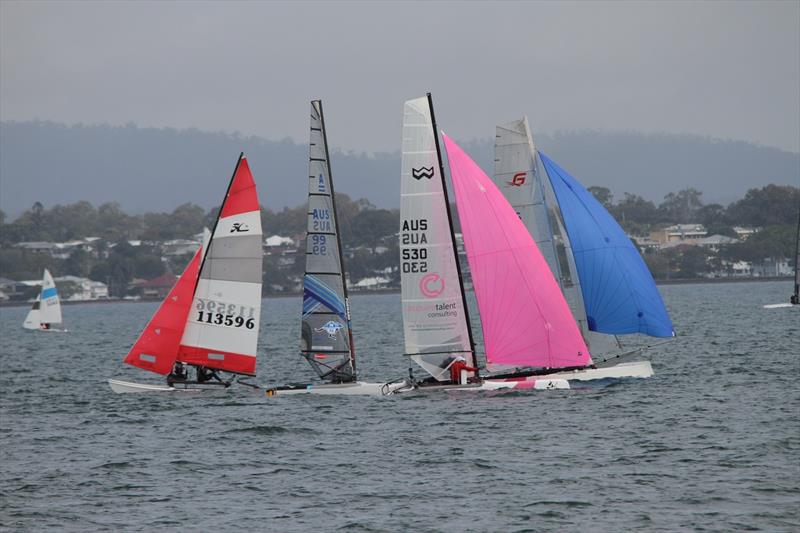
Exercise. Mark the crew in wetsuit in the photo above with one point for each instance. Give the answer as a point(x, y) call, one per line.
point(178, 374)
point(459, 364)
point(205, 374)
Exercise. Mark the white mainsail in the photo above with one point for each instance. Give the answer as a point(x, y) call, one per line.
point(50, 309)
point(326, 338)
point(518, 175)
point(435, 320)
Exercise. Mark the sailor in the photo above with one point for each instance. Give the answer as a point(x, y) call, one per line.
point(178, 374)
point(204, 374)
point(456, 366)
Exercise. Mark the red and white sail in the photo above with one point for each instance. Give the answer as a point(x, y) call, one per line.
point(222, 326)
point(157, 346)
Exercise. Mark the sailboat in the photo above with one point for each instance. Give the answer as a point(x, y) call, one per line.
point(436, 322)
point(210, 319)
point(794, 299)
point(45, 315)
point(601, 274)
point(326, 337)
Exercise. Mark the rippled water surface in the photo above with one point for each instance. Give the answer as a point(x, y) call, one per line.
point(712, 442)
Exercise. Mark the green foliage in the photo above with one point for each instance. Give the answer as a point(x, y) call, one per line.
point(603, 195)
point(681, 207)
point(771, 242)
point(772, 205)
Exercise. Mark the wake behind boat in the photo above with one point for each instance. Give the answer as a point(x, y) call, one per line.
point(210, 319)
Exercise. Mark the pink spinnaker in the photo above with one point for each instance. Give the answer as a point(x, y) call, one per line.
point(526, 321)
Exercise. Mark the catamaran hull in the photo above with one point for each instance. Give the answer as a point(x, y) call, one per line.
point(778, 306)
point(485, 385)
point(121, 387)
point(359, 388)
point(634, 369)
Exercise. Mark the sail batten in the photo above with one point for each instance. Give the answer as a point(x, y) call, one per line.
point(618, 290)
point(526, 321)
point(435, 320)
point(326, 331)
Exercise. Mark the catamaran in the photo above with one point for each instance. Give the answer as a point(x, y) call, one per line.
point(794, 299)
point(210, 319)
point(436, 323)
point(45, 315)
point(608, 287)
point(326, 337)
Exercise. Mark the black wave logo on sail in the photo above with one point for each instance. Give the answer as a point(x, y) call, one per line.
point(239, 227)
point(422, 172)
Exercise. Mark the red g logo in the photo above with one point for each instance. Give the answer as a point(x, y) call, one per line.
point(431, 285)
point(518, 180)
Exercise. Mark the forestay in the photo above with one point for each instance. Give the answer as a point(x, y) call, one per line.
point(526, 321)
point(326, 340)
point(435, 321)
point(222, 327)
point(618, 291)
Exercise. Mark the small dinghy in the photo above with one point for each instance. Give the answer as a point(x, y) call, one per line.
point(210, 319)
point(45, 315)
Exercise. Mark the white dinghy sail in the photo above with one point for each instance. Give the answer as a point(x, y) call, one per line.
point(45, 315)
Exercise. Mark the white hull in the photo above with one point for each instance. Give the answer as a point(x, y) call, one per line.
point(121, 387)
point(359, 388)
point(634, 369)
point(485, 385)
point(778, 306)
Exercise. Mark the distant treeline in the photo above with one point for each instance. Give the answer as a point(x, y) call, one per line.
point(365, 229)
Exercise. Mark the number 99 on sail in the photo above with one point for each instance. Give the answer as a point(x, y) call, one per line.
point(319, 244)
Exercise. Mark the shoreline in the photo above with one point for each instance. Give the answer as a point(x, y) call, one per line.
point(689, 281)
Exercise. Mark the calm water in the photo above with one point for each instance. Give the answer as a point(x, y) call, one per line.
point(712, 442)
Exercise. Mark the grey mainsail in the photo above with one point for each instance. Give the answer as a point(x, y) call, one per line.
point(326, 336)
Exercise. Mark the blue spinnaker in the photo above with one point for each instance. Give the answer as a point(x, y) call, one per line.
point(618, 291)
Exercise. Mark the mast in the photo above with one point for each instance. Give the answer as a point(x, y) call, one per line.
point(452, 234)
point(796, 297)
point(338, 241)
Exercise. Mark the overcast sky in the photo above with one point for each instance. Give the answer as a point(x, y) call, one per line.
point(729, 70)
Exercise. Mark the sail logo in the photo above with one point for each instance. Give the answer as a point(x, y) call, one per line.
point(239, 227)
point(331, 328)
point(422, 172)
point(518, 180)
point(321, 184)
point(431, 285)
